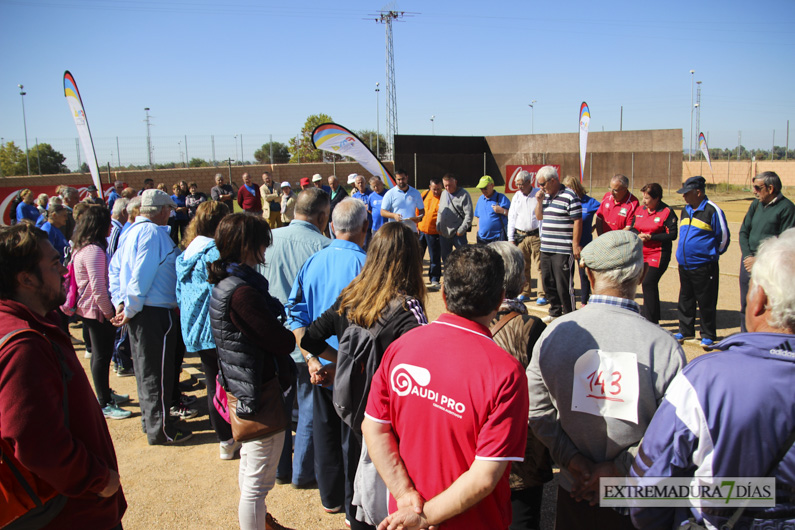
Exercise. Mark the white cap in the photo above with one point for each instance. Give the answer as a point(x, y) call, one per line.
point(317, 177)
point(156, 198)
point(352, 178)
point(286, 184)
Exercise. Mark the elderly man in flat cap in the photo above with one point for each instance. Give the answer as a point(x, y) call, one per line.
point(595, 379)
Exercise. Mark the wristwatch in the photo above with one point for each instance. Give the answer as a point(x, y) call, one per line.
point(309, 356)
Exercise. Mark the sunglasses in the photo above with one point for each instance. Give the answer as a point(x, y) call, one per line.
point(759, 188)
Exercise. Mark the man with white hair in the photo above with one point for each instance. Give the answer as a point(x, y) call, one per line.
point(118, 216)
point(560, 212)
point(143, 281)
point(223, 192)
point(317, 286)
point(523, 231)
point(732, 413)
point(115, 193)
point(618, 207)
point(595, 379)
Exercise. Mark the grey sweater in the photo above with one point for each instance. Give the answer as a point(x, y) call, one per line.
point(550, 380)
point(455, 213)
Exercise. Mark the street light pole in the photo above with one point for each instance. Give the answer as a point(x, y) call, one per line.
point(149, 139)
point(433, 132)
point(532, 116)
point(25, 123)
point(690, 145)
point(377, 122)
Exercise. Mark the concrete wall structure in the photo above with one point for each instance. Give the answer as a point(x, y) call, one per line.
point(739, 173)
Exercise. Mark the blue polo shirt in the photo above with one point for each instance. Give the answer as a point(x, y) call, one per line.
point(589, 208)
point(406, 203)
point(492, 226)
point(375, 200)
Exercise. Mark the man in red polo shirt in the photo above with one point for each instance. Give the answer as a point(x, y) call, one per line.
point(618, 207)
point(248, 196)
point(442, 429)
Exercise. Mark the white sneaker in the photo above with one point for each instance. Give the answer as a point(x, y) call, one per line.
point(228, 449)
point(87, 355)
point(547, 319)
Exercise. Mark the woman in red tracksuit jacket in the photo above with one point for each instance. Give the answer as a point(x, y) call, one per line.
point(655, 223)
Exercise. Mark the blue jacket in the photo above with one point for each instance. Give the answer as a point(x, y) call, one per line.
point(194, 292)
point(703, 235)
point(320, 282)
point(726, 414)
point(142, 270)
point(57, 239)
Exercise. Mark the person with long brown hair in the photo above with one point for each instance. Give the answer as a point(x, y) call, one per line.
point(253, 349)
point(390, 292)
point(94, 306)
point(193, 298)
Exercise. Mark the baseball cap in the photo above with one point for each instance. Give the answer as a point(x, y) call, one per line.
point(305, 181)
point(484, 181)
point(156, 198)
point(91, 188)
point(286, 184)
point(613, 250)
point(352, 178)
point(317, 177)
point(693, 183)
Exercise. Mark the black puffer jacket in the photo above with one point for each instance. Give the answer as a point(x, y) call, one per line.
point(253, 347)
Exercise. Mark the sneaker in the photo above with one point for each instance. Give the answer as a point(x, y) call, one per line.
point(228, 449)
point(119, 399)
point(707, 344)
point(272, 524)
point(336, 509)
point(523, 298)
point(680, 338)
point(435, 286)
point(187, 385)
point(347, 523)
point(547, 319)
point(87, 355)
point(180, 437)
point(114, 412)
point(282, 481)
point(542, 301)
point(187, 400)
point(184, 413)
point(125, 372)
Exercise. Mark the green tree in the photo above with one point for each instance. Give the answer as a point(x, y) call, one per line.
point(12, 160)
point(375, 141)
point(281, 153)
point(301, 147)
point(198, 162)
point(48, 159)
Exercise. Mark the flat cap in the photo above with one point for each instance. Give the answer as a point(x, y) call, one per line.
point(613, 250)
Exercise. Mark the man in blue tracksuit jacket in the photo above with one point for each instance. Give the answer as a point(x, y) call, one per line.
point(703, 237)
point(730, 413)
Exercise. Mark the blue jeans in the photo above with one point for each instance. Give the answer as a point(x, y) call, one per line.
point(303, 448)
point(431, 241)
point(447, 245)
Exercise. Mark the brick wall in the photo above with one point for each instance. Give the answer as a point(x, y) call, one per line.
point(740, 172)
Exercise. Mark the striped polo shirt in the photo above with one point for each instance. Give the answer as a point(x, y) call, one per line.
point(557, 227)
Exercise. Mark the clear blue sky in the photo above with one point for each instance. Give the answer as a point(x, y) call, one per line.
point(259, 68)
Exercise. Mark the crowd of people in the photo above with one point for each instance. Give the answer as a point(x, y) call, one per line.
point(313, 302)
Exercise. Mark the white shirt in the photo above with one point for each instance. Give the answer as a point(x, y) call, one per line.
point(522, 214)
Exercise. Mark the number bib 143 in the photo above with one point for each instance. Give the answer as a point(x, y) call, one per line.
point(606, 384)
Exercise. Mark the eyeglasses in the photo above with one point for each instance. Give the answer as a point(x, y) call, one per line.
point(759, 188)
point(615, 191)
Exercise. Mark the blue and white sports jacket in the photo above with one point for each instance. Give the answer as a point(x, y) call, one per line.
point(703, 235)
point(726, 414)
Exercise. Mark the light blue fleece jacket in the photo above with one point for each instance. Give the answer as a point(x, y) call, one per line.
point(193, 293)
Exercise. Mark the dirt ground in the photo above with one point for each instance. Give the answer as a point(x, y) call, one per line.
point(188, 486)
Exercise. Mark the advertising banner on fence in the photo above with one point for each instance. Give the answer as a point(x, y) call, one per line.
point(511, 171)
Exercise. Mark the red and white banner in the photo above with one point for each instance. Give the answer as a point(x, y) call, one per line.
point(511, 172)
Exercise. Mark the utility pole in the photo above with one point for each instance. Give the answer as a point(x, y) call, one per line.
point(149, 139)
point(377, 121)
point(698, 108)
point(690, 145)
point(532, 116)
point(22, 94)
point(386, 17)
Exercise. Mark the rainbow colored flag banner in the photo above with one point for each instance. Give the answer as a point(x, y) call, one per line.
point(337, 139)
point(81, 121)
point(702, 144)
point(585, 120)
